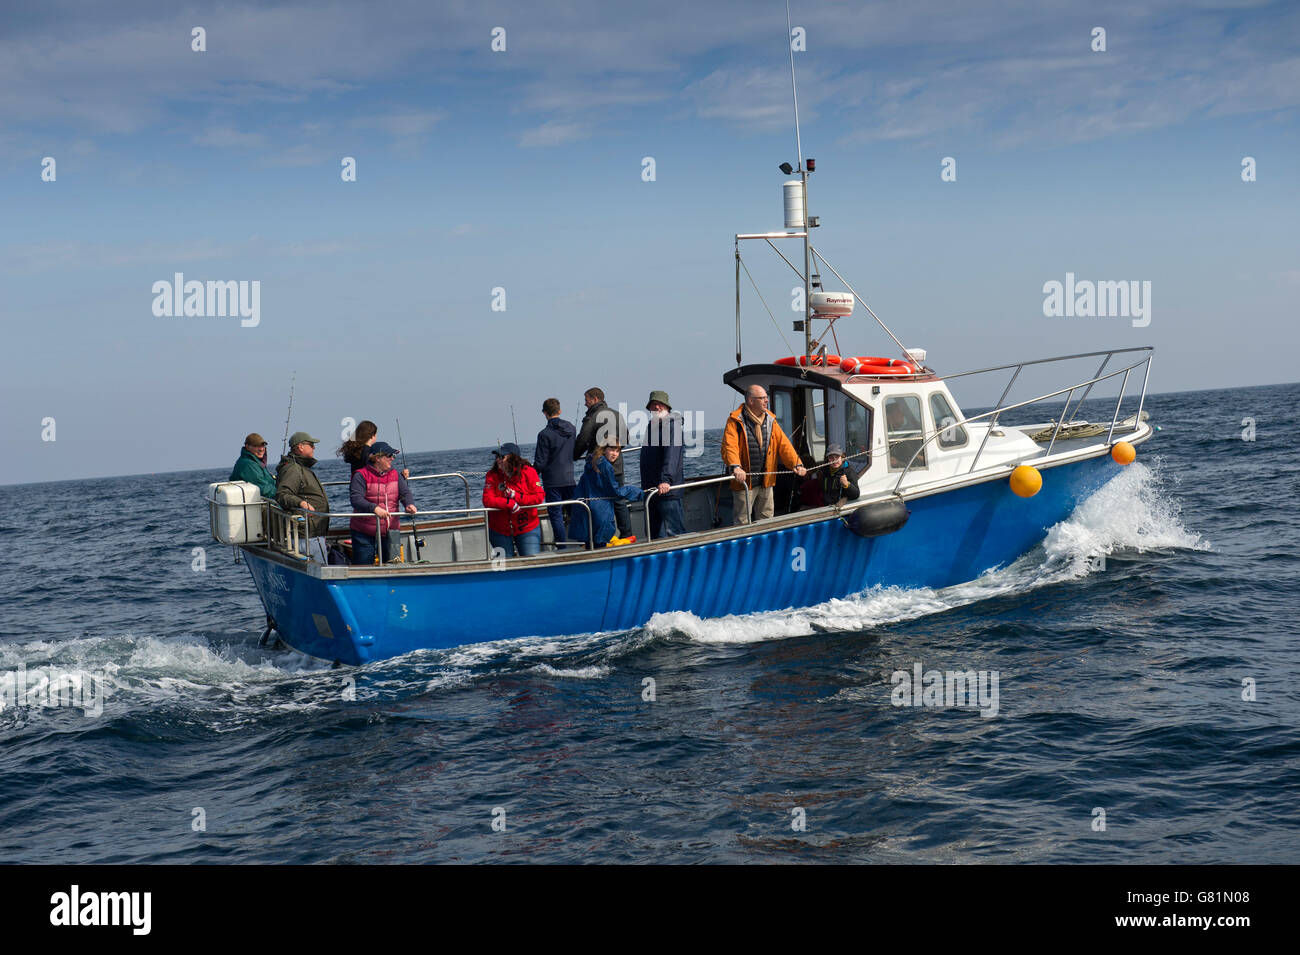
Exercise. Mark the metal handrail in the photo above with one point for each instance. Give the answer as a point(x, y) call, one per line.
point(1020, 404)
point(418, 477)
point(1019, 366)
point(302, 517)
point(649, 536)
point(1045, 361)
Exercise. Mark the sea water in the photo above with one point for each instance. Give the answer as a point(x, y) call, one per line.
point(1147, 696)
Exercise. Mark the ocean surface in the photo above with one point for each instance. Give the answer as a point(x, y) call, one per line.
point(1148, 703)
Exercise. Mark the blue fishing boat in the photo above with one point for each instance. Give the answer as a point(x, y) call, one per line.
point(943, 498)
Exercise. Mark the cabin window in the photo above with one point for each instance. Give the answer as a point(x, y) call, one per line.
point(782, 407)
point(857, 435)
point(944, 421)
point(903, 431)
point(815, 404)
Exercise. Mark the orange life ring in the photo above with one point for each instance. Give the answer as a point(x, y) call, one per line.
point(806, 361)
point(873, 365)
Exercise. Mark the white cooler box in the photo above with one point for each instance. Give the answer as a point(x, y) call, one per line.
point(235, 510)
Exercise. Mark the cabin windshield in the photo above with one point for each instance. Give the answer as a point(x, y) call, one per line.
point(945, 419)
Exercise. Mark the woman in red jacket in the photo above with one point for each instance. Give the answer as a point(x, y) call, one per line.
point(511, 487)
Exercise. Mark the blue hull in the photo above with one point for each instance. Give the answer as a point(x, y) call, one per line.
point(951, 537)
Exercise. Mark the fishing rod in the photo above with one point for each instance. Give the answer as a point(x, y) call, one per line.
point(289, 414)
point(401, 446)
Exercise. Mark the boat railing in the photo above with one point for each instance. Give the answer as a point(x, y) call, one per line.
point(290, 531)
point(283, 529)
point(649, 535)
point(418, 477)
point(1000, 408)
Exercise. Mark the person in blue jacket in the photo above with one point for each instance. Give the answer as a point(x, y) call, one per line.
point(554, 463)
point(661, 467)
point(599, 487)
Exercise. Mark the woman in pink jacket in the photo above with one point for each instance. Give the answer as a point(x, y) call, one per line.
point(378, 489)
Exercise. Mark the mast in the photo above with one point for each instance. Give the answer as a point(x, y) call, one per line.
point(803, 177)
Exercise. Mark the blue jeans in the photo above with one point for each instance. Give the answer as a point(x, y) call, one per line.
point(559, 515)
point(521, 545)
point(667, 519)
point(363, 547)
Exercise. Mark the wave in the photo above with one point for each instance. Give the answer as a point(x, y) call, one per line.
point(1130, 515)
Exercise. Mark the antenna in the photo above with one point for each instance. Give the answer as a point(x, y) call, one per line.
point(803, 178)
point(794, 89)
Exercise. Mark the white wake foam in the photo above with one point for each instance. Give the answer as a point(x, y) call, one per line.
point(1130, 514)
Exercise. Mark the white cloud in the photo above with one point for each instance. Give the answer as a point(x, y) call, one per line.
point(553, 134)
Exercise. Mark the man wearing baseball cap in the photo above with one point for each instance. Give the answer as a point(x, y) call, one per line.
point(298, 486)
point(251, 466)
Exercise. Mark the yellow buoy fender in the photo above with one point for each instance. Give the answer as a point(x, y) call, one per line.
point(1123, 452)
point(1026, 481)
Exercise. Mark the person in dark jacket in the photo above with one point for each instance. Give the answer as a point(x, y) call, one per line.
point(602, 425)
point(251, 466)
point(380, 490)
point(554, 463)
point(600, 490)
point(298, 486)
point(838, 480)
point(662, 458)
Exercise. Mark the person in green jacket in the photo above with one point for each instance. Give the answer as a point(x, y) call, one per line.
point(251, 466)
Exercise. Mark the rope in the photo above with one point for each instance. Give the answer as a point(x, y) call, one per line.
point(1084, 429)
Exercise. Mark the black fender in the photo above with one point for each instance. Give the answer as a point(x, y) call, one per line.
point(875, 520)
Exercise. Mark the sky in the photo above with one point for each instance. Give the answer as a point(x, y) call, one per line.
point(522, 168)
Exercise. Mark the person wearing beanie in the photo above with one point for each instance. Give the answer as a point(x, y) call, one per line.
point(837, 482)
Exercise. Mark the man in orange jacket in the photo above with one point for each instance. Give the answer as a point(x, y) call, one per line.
point(752, 433)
